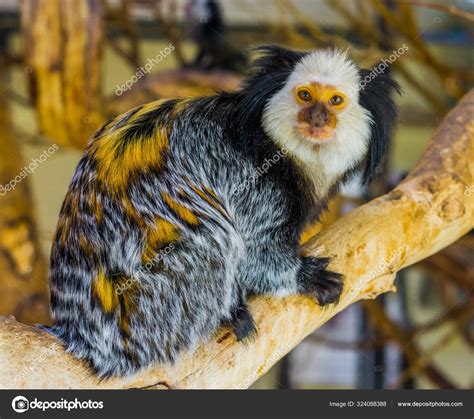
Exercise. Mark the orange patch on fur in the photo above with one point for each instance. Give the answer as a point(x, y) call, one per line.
point(180, 210)
point(112, 301)
point(104, 292)
point(138, 155)
point(162, 234)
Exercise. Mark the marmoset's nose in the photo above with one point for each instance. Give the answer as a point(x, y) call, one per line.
point(319, 115)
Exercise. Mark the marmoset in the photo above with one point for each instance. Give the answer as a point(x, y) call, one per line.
point(169, 225)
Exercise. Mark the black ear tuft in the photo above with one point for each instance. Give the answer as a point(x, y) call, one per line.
point(267, 76)
point(275, 58)
point(377, 89)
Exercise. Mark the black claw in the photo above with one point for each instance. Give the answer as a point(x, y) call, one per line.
point(242, 321)
point(329, 288)
point(314, 279)
point(244, 326)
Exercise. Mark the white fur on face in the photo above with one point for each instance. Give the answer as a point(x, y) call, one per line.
point(324, 162)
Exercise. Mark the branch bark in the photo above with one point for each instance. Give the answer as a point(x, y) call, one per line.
point(429, 210)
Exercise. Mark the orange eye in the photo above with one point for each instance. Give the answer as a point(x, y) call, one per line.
point(304, 95)
point(336, 100)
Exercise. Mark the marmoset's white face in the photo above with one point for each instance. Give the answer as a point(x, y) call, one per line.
point(316, 115)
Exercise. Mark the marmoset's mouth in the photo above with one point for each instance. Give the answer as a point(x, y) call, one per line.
point(315, 133)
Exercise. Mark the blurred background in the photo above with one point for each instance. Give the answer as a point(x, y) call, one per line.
point(67, 66)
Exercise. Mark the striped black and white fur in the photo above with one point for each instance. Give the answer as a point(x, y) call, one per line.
point(158, 243)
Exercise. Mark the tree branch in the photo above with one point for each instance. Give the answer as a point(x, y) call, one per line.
point(428, 211)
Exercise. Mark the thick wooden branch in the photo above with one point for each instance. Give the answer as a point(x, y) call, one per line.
point(62, 41)
point(431, 209)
